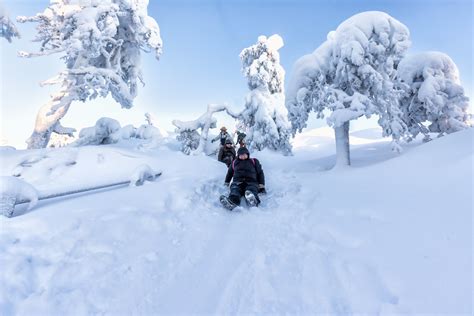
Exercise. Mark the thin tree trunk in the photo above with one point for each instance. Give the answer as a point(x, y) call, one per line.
point(342, 145)
point(47, 120)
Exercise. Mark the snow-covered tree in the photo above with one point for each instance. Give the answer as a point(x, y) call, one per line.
point(100, 42)
point(8, 29)
point(265, 118)
point(352, 74)
point(433, 95)
point(193, 141)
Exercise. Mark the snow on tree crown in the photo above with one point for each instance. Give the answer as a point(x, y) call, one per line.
point(433, 93)
point(261, 64)
point(352, 73)
point(100, 41)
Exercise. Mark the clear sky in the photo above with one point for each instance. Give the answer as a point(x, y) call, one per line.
point(200, 63)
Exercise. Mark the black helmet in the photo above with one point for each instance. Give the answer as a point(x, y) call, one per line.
point(243, 150)
point(229, 141)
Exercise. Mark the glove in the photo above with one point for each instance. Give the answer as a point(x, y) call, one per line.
point(213, 140)
point(227, 184)
point(261, 189)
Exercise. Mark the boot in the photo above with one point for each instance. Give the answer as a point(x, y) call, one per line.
point(228, 204)
point(251, 198)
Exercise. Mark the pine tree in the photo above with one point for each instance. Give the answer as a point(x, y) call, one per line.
point(265, 117)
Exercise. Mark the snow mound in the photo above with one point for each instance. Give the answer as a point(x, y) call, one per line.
point(141, 174)
point(100, 134)
point(13, 191)
point(332, 243)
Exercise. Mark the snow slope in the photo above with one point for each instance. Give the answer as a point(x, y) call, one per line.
point(391, 234)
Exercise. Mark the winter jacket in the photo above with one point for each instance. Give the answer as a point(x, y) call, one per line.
point(226, 155)
point(240, 138)
point(248, 171)
point(222, 137)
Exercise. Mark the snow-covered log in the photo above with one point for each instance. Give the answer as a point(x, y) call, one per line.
point(352, 74)
point(101, 44)
point(433, 95)
point(14, 190)
point(265, 118)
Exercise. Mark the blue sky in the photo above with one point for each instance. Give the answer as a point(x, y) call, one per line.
point(200, 63)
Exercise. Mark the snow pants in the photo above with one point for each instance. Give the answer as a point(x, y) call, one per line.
point(237, 190)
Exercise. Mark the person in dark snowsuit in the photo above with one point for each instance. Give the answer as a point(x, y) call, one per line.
point(227, 153)
point(248, 180)
point(240, 138)
point(223, 135)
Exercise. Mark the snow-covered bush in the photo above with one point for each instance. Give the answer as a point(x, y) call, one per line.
point(189, 140)
point(148, 132)
point(101, 43)
point(352, 74)
point(60, 140)
point(433, 94)
point(126, 132)
point(108, 131)
point(265, 118)
point(8, 29)
point(187, 132)
point(105, 131)
point(13, 191)
point(151, 120)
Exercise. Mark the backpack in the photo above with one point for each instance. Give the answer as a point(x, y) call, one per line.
point(253, 161)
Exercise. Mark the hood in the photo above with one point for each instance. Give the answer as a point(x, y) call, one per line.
point(243, 150)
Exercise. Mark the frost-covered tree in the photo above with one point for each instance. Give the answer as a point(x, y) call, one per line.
point(8, 29)
point(100, 42)
point(193, 141)
point(433, 94)
point(265, 117)
point(352, 74)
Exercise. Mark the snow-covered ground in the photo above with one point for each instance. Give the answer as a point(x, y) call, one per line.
point(391, 234)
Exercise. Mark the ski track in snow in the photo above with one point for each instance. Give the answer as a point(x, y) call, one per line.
point(170, 248)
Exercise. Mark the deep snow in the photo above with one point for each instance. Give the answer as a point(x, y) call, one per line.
point(391, 234)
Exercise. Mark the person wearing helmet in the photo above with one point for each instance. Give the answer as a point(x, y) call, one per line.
point(223, 135)
point(248, 180)
point(227, 152)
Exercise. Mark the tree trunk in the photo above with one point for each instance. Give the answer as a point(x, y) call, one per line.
point(342, 145)
point(47, 120)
